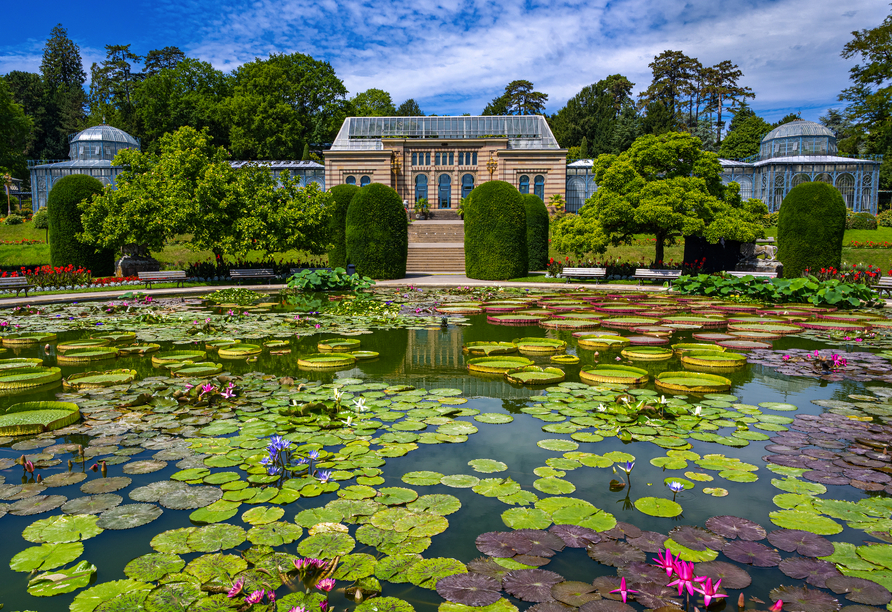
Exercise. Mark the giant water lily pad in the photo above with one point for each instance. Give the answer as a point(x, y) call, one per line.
point(428, 572)
point(62, 581)
point(46, 556)
point(92, 598)
point(532, 585)
point(657, 506)
point(469, 589)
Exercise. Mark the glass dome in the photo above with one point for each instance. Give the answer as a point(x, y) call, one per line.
point(798, 138)
point(100, 142)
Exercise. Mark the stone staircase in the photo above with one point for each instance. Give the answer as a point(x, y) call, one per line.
point(436, 246)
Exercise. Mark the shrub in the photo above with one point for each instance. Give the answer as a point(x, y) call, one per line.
point(342, 194)
point(861, 221)
point(537, 232)
point(42, 219)
point(770, 220)
point(831, 292)
point(12, 205)
point(328, 280)
point(810, 228)
point(65, 224)
point(377, 232)
point(14, 220)
point(495, 233)
point(884, 219)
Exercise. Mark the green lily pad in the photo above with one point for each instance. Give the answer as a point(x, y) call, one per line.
point(688, 554)
point(62, 581)
point(153, 566)
point(526, 518)
point(487, 466)
point(46, 557)
point(216, 569)
point(393, 568)
point(878, 554)
point(437, 504)
point(806, 521)
point(173, 596)
point(128, 516)
point(212, 538)
point(385, 604)
point(460, 481)
point(175, 541)
point(494, 418)
point(355, 566)
point(422, 478)
point(326, 545)
point(89, 600)
point(554, 486)
point(428, 572)
point(394, 496)
point(262, 515)
point(557, 445)
point(274, 534)
point(657, 506)
point(63, 528)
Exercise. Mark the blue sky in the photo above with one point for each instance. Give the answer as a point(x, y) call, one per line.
point(453, 56)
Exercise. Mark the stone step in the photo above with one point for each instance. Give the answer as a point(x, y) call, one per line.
point(441, 214)
point(436, 258)
point(437, 232)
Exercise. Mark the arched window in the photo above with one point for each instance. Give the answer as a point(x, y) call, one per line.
point(746, 187)
point(866, 200)
point(539, 186)
point(575, 194)
point(524, 184)
point(365, 180)
point(824, 178)
point(846, 185)
point(467, 185)
point(420, 187)
point(351, 180)
point(778, 191)
point(798, 179)
point(445, 191)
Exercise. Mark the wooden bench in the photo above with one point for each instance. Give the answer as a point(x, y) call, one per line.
point(884, 284)
point(754, 274)
point(569, 273)
point(167, 276)
point(19, 283)
point(658, 275)
point(240, 275)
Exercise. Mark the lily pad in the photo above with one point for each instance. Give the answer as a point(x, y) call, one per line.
point(487, 466)
point(153, 566)
point(62, 581)
point(428, 572)
point(657, 506)
point(128, 516)
point(532, 585)
point(46, 557)
point(89, 600)
point(326, 545)
point(469, 589)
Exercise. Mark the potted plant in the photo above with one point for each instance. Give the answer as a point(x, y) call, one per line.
point(422, 209)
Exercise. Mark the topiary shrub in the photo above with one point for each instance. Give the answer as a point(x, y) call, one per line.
point(14, 220)
point(861, 221)
point(884, 219)
point(810, 228)
point(537, 232)
point(341, 194)
point(65, 224)
point(495, 233)
point(377, 232)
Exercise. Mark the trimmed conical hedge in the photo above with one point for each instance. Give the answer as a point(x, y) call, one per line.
point(65, 223)
point(342, 195)
point(377, 232)
point(495, 233)
point(537, 232)
point(810, 228)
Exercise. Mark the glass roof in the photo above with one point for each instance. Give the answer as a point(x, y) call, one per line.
point(522, 131)
point(105, 133)
point(799, 128)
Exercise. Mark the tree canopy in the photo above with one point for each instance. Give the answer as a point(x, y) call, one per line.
point(15, 127)
point(666, 186)
point(593, 116)
point(373, 103)
point(519, 98)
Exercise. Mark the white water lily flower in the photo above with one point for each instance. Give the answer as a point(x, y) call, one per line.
point(697, 410)
point(602, 408)
point(337, 395)
point(349, 420)
point(360, 404)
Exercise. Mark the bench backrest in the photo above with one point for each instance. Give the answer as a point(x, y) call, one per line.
point(163, 274)
point(584, 271)
point(649, 272)
point(252, 272)
point(755, 274)
point(13, 281)
point(886, 281)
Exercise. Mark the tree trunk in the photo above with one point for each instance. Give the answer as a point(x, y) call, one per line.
point(658, 256)
point(718, 123)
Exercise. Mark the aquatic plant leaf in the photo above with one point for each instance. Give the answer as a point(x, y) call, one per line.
point(557, 445)
point(806, 521)
point(36, 504)
point(153, 566)
point(502, 605)
point(554, 486)
point(274, 534)
point(190, 497)
point(46, 556)
point(129, 516)
point(813, 571)
point(173, 597)
point(526, 518)
point(878, 554)
point(393, 568)
point(533, 585)
point(751, 553)
point(733, 527)
point(607, 605)
point(614, 553)
point(687, 554)
point(355, 567)
point(428, 572)
point(494, 418)
point(216, 570)
point(732, 576)
point(92, 504)
point(89, 600)
point(536, 542)
point(657, 506)
point(212, 538)
point(470, 589)
point(326, 545)
point(384, 604)
point(496, 544)
point(574, 593)
point(575, 536)
point(804, 542)
point(145, 466)
point(437, 503)
point(487, 466)
point(261, 515)
point(174, 541)
point(460, 481)
point(394, 496)
point(859, 590)
point(804, 599)
point(63, 528)
point(422, 478)
point(105, 485)
point(696, 538)
point(62, 581)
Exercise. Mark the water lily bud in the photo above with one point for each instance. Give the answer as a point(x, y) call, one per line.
point(358, 596)
point(94, 467)
point(70, 464)
point(741, 602)
point(39, 478)
point(104, 469)
point(80, 449)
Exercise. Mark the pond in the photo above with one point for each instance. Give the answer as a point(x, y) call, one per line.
point(420, 484)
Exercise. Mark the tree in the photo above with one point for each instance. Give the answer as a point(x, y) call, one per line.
point(62, 65)
point(373, 103)
point(658, 119)
point(720, 84)
point(64, 99)
point(744, 138)
point(409, 108)
point(788, 118)
point(15, 127)
point(281, 102)
point(112, 84)
point(519, 98)
point(28, 91)
point(190, 93)
point(665, 186)
point(593, 114)
point(672, 75)
point(847, 138)
point(162, 59)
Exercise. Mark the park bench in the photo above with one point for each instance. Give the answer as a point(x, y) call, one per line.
point(242, 274)
point(658, 275)
point(754, 274)
point(569, 273)
point(883, 285)
point(167, 276)
point(19, 283)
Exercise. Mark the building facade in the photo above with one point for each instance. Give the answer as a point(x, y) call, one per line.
point(801, 152)
point(307, 171)
point(442, 159)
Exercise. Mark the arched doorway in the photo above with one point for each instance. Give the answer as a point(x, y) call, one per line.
point(445, 191)
point(467, 185)
point(420, 187)
point(539, 186)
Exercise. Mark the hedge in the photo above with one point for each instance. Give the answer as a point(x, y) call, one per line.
point(861, 221)
point(342, 194)
point(884, 219)
point(537, 232)
point(495, 233)
point(65, 224)
point(810, 228)
point(377, 232)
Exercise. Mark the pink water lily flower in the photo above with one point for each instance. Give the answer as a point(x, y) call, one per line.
point(622, 590)
point(326, 584)
point(686, 579)
point(236, 588)
point(255, 597)
point(666, 561)
point(208, 388)
point(710, 591)
point(778, 606)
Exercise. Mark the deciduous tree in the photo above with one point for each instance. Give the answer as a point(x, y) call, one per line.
point(373, 103)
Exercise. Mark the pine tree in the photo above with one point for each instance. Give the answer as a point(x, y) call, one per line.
point(64, 77)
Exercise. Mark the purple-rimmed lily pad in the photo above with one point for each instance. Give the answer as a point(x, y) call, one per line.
point(649, 541)
point(813, 571)
point(575, 536)
point(696, 538)
point(860, 590)
point(470, 589)
point(640, 572)
point(751, 553)
point(485, 566)
point(606, 605)
point(614, 553)
point(574, 593)
point(496, 544)
point(732, 576)
point(541, 543)
point(657, 596)
point(804, 599)
point(733, 527)
point(533, 585)
point(804, 542)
